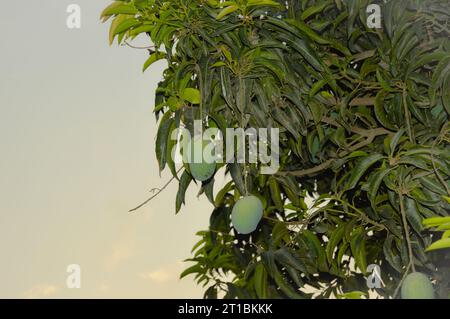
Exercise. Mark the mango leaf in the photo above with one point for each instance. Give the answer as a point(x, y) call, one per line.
point(358, 247)
point(446, 234)
point(185, 180)
point(238, 177)
point(114, 24)
point(440, 244)
point(352, 295)
point(162, 139)
point(191, 95)
point(435, 221)
point(118, 7)
point(260, 281)
point(394, 141)
point(170, 150)
point(126, 25)
point(413, 215)
point(262, 3)
point(446, 198)
point(374, 184)
point(284, 256)
point(226, 11)
point(191, 270)
point(152, 59)
point(285, 287)
point(314, 9)
point(275, 193)
point(335, 238)
point(141, 29)
point(380, 111)
point(361, 168)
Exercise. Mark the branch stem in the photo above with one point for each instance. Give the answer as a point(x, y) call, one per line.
point(158, 191)
point(406, 229)
point(370, 134)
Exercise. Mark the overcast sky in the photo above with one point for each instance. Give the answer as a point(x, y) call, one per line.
point(77, 151)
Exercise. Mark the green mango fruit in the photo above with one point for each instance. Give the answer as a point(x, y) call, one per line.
point(202, 167)
point(417, 286)
point(247, 214)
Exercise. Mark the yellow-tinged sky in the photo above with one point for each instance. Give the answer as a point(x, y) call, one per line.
point(77, 137)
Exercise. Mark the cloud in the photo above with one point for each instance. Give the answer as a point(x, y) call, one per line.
point(122, 250)
point(41, 291)
point(119, 254)
point(159, 276)
point(103, 288)
point(164, 274)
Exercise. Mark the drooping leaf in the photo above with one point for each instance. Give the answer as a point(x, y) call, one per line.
point(361, 167)
point(185, 180)
point(191, 95)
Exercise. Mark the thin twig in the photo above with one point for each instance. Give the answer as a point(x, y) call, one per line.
point(371, 134)
point(361, 213)
point(158, 191)
point(407, 115)
point(433, 162)
point(359, 101)
point(401, 281)
point(439, 176)
point(406, 229)
point(303, 222)
point(365, 132)
point(152, 47)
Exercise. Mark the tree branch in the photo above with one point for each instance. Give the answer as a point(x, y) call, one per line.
point(157, 190)
point(406, 229)
point(357, 130)
point(151, 47)
point(359, 101)
point(370, 134)
point(402, 280)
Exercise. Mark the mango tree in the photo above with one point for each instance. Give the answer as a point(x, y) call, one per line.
point(363, 114)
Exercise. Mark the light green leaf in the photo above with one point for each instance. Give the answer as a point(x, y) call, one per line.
point(226, 11)
point(218, 64)
point(446, 198)
point(191, 95)
point(114, 24)
point(352, 295)
point(126, 25)
point(440, 244)
point(152, 59)
point(435, 221)
point(142, 29)
point(118, 7)
point(262, 3)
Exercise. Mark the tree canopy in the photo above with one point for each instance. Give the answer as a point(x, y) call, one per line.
point(363, 115)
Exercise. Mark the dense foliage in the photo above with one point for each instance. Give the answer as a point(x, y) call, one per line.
point(363, 115)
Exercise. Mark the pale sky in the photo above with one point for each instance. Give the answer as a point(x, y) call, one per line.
point(77, 151)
